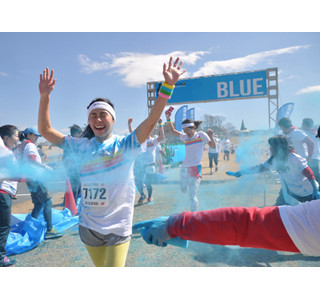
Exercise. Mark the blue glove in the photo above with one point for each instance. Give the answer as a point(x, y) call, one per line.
point(235, 174)
point(155, 232)
point(316, 195)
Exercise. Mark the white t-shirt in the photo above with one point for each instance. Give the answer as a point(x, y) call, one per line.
point(194, 148)
point(226, 145)
point(302, 223)
point(149, 156)
point(316, 141)
point(295, 138)
point(107, 182)
point(218, 146)
point(7, 162)
point(297, 183)
point(31, 149)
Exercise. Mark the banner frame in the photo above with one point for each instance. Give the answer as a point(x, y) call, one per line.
point(272, 93)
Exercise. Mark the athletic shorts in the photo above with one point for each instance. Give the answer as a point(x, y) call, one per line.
point(96, 239)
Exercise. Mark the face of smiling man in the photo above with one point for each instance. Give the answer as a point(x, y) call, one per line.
point(101, 122)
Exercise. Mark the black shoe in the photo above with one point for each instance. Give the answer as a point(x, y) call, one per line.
point(7, 262)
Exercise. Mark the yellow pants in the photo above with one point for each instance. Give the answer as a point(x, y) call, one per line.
point(109, 256)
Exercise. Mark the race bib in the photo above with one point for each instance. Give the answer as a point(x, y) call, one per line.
point(94, 194)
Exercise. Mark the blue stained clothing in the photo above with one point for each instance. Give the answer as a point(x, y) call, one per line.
point(107, 182)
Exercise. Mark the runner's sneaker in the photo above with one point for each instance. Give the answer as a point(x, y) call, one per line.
point(7, 262)
point(142, 197)
point(216, 169)
point(53, 234)
point(150, 199)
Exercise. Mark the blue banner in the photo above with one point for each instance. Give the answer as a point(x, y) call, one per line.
point(284, 111)
point(220, 87)
point(191, 114)
point(180, 115)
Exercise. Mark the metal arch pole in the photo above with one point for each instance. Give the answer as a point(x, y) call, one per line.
point(272, 77)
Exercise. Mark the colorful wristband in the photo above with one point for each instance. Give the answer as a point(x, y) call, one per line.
point(168, 120)
point(163, 96)
point(166, 90)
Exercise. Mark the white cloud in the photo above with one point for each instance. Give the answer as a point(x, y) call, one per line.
point(89, 66)
point(309, 89)
point(3, 74)
point(242, 63)
point(137, 68)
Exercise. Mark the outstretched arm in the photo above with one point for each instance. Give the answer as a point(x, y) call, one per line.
point(253, 170)
point(171, 128)
point(246, 227)
point(46, 86)
point(171, 75)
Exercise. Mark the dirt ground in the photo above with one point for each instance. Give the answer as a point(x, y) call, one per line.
point(217, 190)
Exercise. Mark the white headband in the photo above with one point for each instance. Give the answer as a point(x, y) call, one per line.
point(102, 105)
point(187, 125)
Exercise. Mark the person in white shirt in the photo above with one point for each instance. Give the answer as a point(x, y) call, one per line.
point(307, 126)
point(144, 165)
point(8, 141)
point(298, 180)
point(191, 169)
point(106, 167)
point(148, 161)
point(213, 154)
point(301, 143)
point(40, 196)
point(226, 144)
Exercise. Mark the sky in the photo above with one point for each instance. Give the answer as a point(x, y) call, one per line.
point(117, 65)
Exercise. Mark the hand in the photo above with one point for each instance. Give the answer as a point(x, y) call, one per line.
point(235, 174)
point(154, 231)
point(210, 132)
point(47, 83)
point(172, 73)
point(160, 121)
point(129, 121)
point(168, 115)
point(315, 195)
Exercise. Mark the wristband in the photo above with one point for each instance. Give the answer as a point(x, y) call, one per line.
point(166, 90)
point(169, 121)
point(160, 125)
point(163, 96)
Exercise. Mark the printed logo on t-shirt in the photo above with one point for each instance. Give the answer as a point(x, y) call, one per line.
point(194, 141)
point(103, 164)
